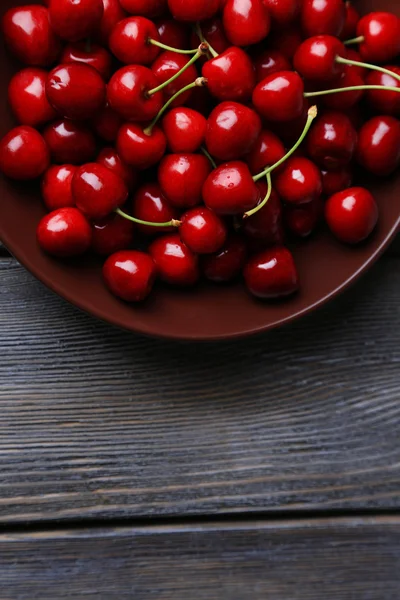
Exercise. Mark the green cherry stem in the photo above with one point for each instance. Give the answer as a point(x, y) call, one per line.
point(352, 89)
point(202, 49)
point(170, 48)
point(172, 223)
point(356, 63)
point(210, 158)
point(249, 213)
point(201, 37)
point(356, 40)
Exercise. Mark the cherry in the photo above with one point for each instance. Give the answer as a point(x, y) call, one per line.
point(213, 32)
point(27, 97)
point(346, 100)
point(227, 264)
point(315, 58)
point(128, 93)
point(175, 263)
point(203, 231)
point(384, 101)
point(351, 214)
point(29, 37)
point(107, 123)
point(350, 23)
point(75, 20)
point(130, 275)
point(23, 153)
point(75, 90)
point(289, 131)
point(270, 61)
point(266, 226)
point(112, 234)
point(69, 142)
point(112, 14)
point(352, 54)
point(267, 150)
point(64, 233)
point(174, 34)
point(139, 148)
point(283, 12)
point(246, 21)
point(332, 140)
point(271, 274)
point(150, 204)
point(303, 220)
point(92, 55)
point(337, 180)
point(130, 41)
point(184, 129)
point(286, 41)
point(319, 18)
point(57, 186)
point(232, 130)
point(181, 178)
point(166, 66)
point(280, 96)
point(109, 158)
point(98, 191)
point(378, 148)
point(299, 181)
point(379, 34)
point(195, 10)
point(230, 189)
point(230, 76)
point(146, 8)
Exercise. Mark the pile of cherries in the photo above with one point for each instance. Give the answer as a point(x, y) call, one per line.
point(181, 138)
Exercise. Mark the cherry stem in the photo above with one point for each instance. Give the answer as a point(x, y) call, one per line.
point(352, 89)
point(210, 158)
point(170, 48)
point(201, 37)
point(356, 40)
point(356, 63)
point(172, 223)
point(255, 210)
point(199, 52)
point(312, 113)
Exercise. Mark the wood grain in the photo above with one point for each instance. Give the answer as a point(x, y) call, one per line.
point(341, 560)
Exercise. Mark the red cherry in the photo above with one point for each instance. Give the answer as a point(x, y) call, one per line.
point(378, 148)
point(319, 18)
point(383, 101)
point(23, 153)
point(69, 142)
point(332, 140)
point(270, 61)
point(57, 186)
point(381, 33)
point(195, 10)
point(290, 131)
point(246, 22)
point(113, 14)
point(107, 123)
point(350, 23)
point(213, 32)
point(128, 93)
point(27, 97)
point(272, 274)
point(64, 233)
point(230, 189)
point(174, 34)
point(336, 181)
point(184, 129)
point(351, 214)
point(29, 37)
point(265, 227)
point(129, 41)
point(138, 148)
point(150, 204)
point(303, 220)
point(175, 263)
point(130, 275)
point(283, 12)
point(286, 41)
point(181, 178)
point(232, 130)
point(352, 54)
point(96, 57)
point(227, 264)
point(202, 231)
point(75, 20)
point(166, 66)
point(112, 234)
point(267, 151)
point(280, 96)
point(109, 158)
point(315, 58)
point(230, 76)
point(299, 181)
point(146, 8)
point(97, 191)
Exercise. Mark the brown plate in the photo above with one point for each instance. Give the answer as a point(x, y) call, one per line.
point(207, 312)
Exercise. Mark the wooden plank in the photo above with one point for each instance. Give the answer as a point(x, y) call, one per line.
point(99, 423)
point(342, 559)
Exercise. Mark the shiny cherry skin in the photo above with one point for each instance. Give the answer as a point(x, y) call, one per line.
point(230, 189)
point(129, 41)
point(195, 10)
point(107, 123)
point(245, 23)
point(231, 75)
point(343, 101)
point(265, 227)
point(27, 97)
point(75, 20)
point(185, 129)
point(299, 181)
point(283, 12)
point(280, 96)
point(378, 148)
point(232, 131)
point(69, 142)
point(172, 33)
point(113, 13)
point(267, 151)
point(337, 180)
point(382, 101)
point(350, 23)
point(112, 234)
point(166, 66)
point(150, 204)
point(303, 220)
point(110, 158)
point(130, 275)
point(145, 8)
point(227, 264)
point(381, 33)
point(320, 18)
point(315, 58)
point(351, 215)
point(127, 93)
point(332, 140)
point(64, 233)
point(176, 264)
point(24, 153)
point(94, 56)
point(28, 35)
point(270, 61)
point(286, 41)
point(202, 230)
point(98, 191)
point(56, 186)
point(181, 178)
point(76, 91)
point(139, 149)
point(271, 274)
point(213, 32)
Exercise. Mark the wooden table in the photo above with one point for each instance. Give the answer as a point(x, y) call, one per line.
point(260, 469)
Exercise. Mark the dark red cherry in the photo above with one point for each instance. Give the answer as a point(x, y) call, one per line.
point(166, 66)
point(109, 158)
point(107, 123)
point(57, 186)
point(303, 220)
point(113, 14)
point(315, 58)
point(267, 151)
point(128, 93)
point(195, 10)
point(146, 8)
point(332, 140)
point(69, 142)
point(174, 34)
point(184, 129)
point(175, 263)
point(299, 181)
point(150, 204)
point(352, 54)
point(265, 227)
point(27, 97)
point(230, 189)
point(64, 233)
point(280, 96)
point(350, 23)
point(98, 191)
point(378, 148)
point(343, 101)
point(23, 153)
point(283, 12)
point(382, 101)
point(130, 275)
point(351, 215)
point(246, 22)
point(92, 55)
point(112, 234)
point(129, 41)
point(271, 274)
point(181, 178)
point(322, 17)
point(286, 41)
point(213, 32)
point(290, 131)
point(337, 180)
point(230, 76)
point(381, 33)
point(227, 264)
point(270, 61)
point(202, 231)
point(75, 20)
point(138, 148)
